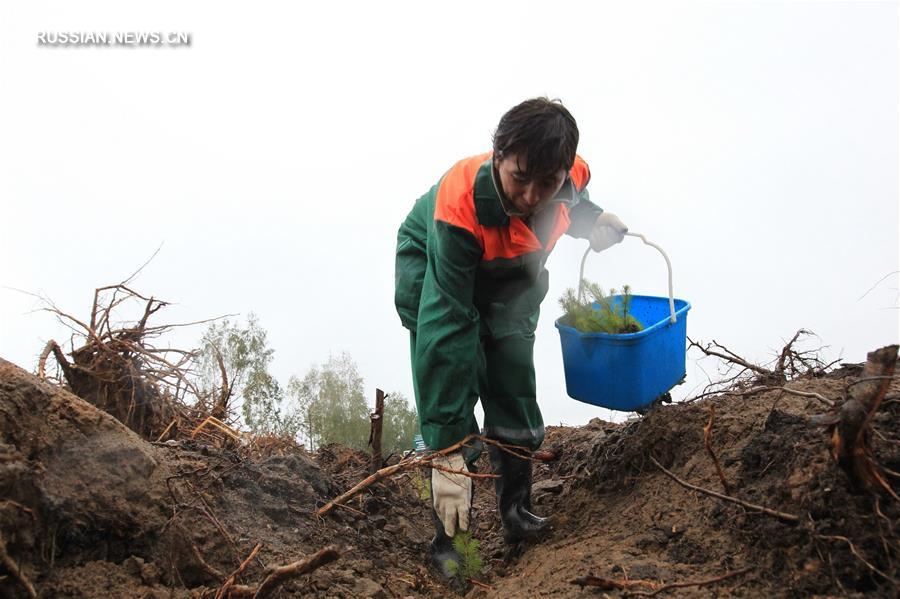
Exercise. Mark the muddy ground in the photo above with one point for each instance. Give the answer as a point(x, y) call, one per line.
point(89, 509)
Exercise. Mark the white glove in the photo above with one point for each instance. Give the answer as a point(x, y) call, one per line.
point(452, 493)
point(608, 231)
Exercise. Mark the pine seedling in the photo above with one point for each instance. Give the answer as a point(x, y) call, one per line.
point(422, 486)
point(608, 317)
point(470, 563)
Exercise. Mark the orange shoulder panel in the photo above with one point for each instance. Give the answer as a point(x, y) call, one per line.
point(580, 173)
point(455, 202)
point(561, 226)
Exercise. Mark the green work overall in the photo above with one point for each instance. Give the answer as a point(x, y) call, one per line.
point(469, 282)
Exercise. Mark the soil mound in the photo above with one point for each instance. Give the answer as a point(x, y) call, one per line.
point(85, 484)
point(622, 519)
point(90, 509)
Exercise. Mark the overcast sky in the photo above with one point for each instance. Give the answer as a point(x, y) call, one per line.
point(274, 159)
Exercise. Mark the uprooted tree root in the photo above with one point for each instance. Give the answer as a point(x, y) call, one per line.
point(851, 434)
point(118, 369)
point(789, 364)
point(152, 390)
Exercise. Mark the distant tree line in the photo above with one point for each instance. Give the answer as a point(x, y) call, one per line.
point(326, 405)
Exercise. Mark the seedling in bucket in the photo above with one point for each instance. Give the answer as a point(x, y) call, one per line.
point(630, 371)
point(592, 311)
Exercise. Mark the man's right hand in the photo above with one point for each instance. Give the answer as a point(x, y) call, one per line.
point(452, 493)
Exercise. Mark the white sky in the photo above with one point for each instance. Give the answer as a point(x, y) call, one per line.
point(275, 158)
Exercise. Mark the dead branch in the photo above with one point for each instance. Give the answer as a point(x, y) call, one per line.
point(707, 441)
point(790, 362)
point(406, 464)
point(7, 562)
point(377, 418)
point(220, 410)
point(421, 461)
point(543, 456)
point(475, 475)
point(216, 423)
point(279, 576)
point(229, 582)
point(786, 352)
point(195, 551)
point(784, 517)
point(751, 391)
point(166, 431)
point(608, 584)
point(811, 394)
point(691, 583)
point(762, 388)
point(53, 347)
point(352, 510)
point(207, 511)
point(850, 435)
point(729, 356)
point(479, 584)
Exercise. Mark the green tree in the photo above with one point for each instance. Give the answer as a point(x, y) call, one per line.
point(330, 405)
point(246, 355)
point(401, 423)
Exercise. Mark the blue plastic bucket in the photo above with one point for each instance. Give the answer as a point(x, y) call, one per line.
point(627, 372)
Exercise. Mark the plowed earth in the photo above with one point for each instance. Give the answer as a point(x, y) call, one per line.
point(89, 509)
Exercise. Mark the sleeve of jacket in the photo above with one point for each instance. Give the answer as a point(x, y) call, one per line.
point(447, 336)
point(583, 213)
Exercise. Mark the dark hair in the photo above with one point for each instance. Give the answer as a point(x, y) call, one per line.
point(543, 132)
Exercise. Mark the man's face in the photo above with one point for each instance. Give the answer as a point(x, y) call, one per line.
point(526, 195)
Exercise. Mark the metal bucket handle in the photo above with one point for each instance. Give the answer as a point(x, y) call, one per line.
point(650, 243)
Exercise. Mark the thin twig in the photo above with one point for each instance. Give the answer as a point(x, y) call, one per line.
point(731, 357)
point(790, 518)
point(14, 570)
point(480, 585)
point(877, 283)
point(707, 441)
point(282, 574)
point(463, 472)
point(690, 583)
point(135, 273)
point(229, 582)
point(858, 556)
point(779, 368)
point(206, 510)
point(165, 432)
point(350, 509)
point(195, 551)
point(608, 584)
point(761, 388)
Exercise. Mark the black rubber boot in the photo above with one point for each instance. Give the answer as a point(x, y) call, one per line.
point(514, 497)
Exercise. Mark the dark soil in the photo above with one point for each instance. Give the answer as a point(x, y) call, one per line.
point(89, 509)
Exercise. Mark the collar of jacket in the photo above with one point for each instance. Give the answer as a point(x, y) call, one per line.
point(488, 205)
